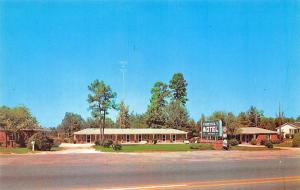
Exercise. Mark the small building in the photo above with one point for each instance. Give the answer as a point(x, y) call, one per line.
point(128, 136)
point(289, 128)
point(19, 138)
point(246, 134)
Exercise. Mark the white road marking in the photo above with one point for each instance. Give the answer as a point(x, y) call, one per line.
point(147, 187)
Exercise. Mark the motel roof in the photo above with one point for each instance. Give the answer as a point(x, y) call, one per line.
point(118, 131)
point(255, 130)
point(295, 124)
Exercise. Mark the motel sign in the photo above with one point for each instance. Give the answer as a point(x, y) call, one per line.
point(212, 129)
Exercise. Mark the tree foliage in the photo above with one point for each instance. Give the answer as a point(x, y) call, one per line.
point(177, 115)
point(254, 116)
point(71, 123)
point(219, 115)
point(138, 121)
point(156, 112)
point(123, 116)
point(14, 119)
point(178, 88)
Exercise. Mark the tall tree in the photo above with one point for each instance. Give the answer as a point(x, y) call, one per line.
point(177, 115)
point(156, 112)
point(123, 116)
point(138, 121)
point(178, 87)
point(298, 118)
point(71, 123)
point(254, 116)
point(232, 125)
point(101, 99)
point(243, 120)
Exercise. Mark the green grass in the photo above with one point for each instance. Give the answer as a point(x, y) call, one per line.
point(56, 148)
point(14, 150)
point(244, 148)
point(158, 148)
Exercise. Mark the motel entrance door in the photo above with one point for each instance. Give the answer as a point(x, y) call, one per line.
point(88, 138)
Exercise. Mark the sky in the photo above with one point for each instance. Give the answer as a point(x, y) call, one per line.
point(233, 54)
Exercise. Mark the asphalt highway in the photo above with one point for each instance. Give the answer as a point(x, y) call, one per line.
point(201, 170)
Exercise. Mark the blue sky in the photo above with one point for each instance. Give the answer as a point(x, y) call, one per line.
point(233, 54)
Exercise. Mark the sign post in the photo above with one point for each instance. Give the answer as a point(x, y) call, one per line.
point(32, 143)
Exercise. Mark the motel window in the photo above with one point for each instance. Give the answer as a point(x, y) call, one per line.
point(164, 137)
point(173, 138)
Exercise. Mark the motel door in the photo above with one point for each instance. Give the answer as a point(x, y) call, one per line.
point(88, 138)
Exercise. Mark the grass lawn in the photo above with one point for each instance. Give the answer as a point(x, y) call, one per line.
point(244, 148)
point(14, 150)
point(284, 144)
point(19, 150)
point(158, 147)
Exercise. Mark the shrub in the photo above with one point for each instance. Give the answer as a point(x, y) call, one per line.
point(107, 143)
point(269, 144)
point(97, 143)
point(117, 147)
point(296, 140)
point(233, 142)
point(253, 142)
point(154, 141)
point(292, 136)
point(287, 136)
point(263, 142)
point(42, 142)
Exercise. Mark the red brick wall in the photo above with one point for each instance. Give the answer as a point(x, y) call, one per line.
point(2, 138)
point(261, 137)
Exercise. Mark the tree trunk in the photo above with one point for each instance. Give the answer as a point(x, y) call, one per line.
point(103, 125)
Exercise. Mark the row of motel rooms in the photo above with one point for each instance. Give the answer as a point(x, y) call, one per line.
point(148, 135)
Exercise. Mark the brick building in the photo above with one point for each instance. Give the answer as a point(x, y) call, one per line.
point(127, 136)
point(246, 134)
point(15, 139)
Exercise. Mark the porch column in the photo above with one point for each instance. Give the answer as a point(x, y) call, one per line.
point(171, 137)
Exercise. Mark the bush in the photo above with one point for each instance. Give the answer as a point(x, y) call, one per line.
point(296, 140)
point(263, 142)
point(292, 136)
point(253, 142)
point(233, 142)
point(97, 143)
point(117, 147)
point(269, 144)
point(42, 142)
point(154, 141)
point(287, 136)
point(107, 143)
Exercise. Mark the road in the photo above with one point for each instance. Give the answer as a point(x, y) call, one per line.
point(276, 170)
